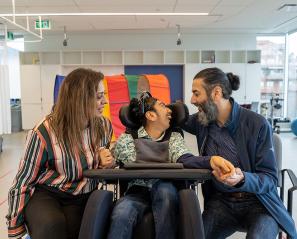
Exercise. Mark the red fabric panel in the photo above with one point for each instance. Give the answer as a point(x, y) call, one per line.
point(118, 93)
point(159, 87)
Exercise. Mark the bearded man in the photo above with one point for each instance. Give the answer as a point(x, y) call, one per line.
point(247, 201)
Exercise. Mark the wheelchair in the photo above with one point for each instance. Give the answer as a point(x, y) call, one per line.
point(95, 222)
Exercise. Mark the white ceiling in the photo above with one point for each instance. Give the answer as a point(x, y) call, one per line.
point(234, 16)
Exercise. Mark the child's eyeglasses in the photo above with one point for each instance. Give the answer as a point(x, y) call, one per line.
point(144, 95)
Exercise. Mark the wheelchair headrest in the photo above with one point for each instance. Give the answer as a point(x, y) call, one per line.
point(180, 114)
point(126, 118)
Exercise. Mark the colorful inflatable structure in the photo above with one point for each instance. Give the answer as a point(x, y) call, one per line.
point(121, 88)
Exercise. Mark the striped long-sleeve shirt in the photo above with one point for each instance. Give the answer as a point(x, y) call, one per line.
point(46, 162)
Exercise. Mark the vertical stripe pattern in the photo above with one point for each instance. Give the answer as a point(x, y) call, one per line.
point(46, 161)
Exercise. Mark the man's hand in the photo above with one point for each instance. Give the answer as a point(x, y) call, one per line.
point(232, 180)
point(222, 167)
point(106, 158)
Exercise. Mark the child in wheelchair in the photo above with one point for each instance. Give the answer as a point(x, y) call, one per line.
point(154, 142)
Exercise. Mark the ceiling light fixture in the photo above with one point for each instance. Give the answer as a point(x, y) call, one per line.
point(65, 41)
point(26, 29)
point(13, 22)
point(178, 41)
point(108, 14)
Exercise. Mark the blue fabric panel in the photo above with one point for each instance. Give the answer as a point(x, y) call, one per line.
point(58, 81)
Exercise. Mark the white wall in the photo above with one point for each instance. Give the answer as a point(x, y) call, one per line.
point(142, 40)
point(139, 40)
point(106, 70)
point(14, 73)
point(41, 80)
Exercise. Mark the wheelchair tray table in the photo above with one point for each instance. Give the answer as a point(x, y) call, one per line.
point(176, 174)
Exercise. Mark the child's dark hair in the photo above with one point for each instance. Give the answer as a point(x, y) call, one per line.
point(138, 107)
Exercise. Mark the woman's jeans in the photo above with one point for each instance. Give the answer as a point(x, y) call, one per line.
point(129, 210)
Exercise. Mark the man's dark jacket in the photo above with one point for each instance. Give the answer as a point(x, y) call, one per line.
point(252, 135)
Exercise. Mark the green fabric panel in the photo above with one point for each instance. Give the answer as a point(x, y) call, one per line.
point(132, 84)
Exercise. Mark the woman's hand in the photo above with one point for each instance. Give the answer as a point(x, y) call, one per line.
point(222, 168)
point(106, 158)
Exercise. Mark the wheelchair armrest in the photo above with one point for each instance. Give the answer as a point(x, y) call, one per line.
point(95, 220)
point(292, 176)
point(291, 190)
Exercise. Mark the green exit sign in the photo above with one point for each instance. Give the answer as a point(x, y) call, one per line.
point(10, 36)
point(43, 24)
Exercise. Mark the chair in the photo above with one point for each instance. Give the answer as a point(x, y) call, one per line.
point(277, 144)
point(255, 106)
point(190, 220)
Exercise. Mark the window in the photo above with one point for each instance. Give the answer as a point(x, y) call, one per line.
point(273, 53)
point(292, 75)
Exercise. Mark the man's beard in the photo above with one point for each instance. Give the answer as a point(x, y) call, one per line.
point(207, 112)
